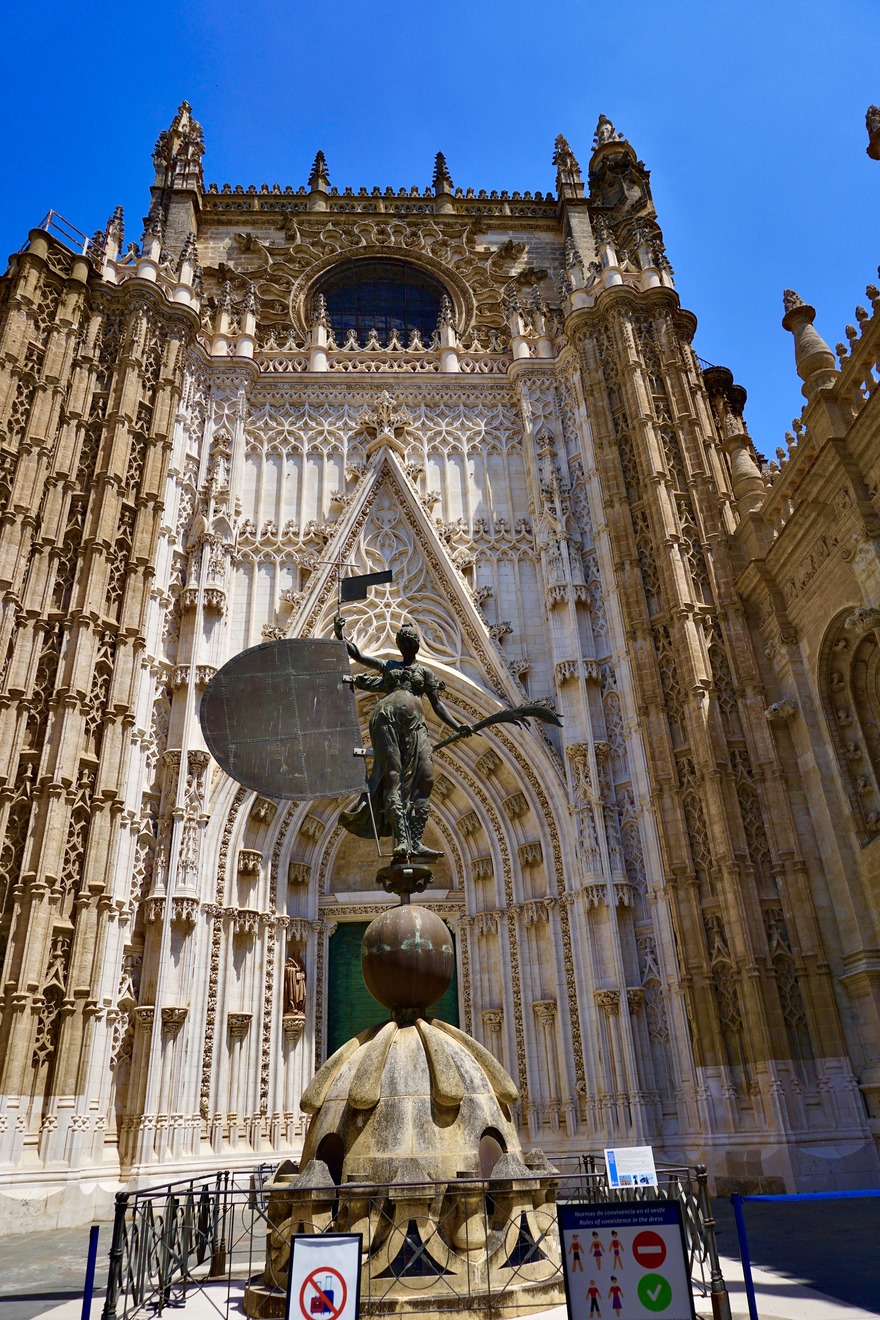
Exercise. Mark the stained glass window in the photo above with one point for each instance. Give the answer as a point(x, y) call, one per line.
point(384, 296)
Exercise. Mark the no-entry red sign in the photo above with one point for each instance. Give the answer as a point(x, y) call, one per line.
point(649, 1249)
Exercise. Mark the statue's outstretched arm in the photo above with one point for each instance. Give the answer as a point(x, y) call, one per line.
point(353, 650)
point(446, 717)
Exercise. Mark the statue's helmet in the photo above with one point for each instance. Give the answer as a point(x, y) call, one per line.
point(409, 633)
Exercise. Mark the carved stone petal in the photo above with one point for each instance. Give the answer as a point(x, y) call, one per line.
point(447, 1087)
point(502, 1083)
point(366, 1085)
point(316, 1091)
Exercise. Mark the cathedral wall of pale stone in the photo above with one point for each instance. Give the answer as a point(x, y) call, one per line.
point(665, 911)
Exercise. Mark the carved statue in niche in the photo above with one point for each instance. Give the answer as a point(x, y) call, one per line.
point(294, 987)
point(399, 788)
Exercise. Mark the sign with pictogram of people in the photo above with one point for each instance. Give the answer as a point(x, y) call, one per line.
point(625, 1261)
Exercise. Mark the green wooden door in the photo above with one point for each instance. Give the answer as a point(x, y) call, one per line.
point(351, 1008)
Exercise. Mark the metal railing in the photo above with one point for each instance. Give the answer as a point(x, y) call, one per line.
point(71, 237)
point(471, 1244)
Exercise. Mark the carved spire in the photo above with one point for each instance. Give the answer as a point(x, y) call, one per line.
point(814, 360)
point(189, 253)
point(446, 315)
point(319, 179)
point(320, 315)
point(154, 223)
point(249, 302)
point(178, 153)
point(442, 179)
point(116, 227)
point(728, 401)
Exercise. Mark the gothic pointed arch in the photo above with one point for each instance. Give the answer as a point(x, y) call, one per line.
point(849, 687)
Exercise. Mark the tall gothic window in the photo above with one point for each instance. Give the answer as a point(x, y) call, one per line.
point(385, 296)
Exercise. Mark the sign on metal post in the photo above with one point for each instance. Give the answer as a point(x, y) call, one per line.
point(625, 1261)
point(324, 1282)
point(280, 719)
point(630, 1166)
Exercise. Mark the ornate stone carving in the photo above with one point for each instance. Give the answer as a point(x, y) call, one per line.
point(172, 1021)
point(515, 806)
point(530, 854)
point(263, 811)
point(238, 1024)
point(249, 861)
point(781, 711)
point(488, 764)
point(312, 828)
point(469, 824)
point(298, 873)
point(608, 1001)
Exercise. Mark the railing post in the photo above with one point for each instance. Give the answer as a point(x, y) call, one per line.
point(718, 1288)
point(114, 1273)
point(89, 1287)
point(218, 1244)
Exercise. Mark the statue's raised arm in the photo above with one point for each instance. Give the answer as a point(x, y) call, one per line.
point(354, 651)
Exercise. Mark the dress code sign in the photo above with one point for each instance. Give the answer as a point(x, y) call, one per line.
point(625, 1262)
point(325, 1273)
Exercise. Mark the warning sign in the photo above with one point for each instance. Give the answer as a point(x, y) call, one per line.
point(625, 1261)
point(649, 1249)
point(325, 1273)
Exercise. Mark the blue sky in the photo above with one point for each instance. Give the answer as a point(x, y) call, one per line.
point(750, 116)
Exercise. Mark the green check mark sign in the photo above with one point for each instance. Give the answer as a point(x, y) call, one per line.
point(655, 1292)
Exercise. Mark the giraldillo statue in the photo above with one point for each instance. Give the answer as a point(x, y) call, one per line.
point(399, 787)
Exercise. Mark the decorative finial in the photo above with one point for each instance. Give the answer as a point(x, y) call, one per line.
point(606, 132)
point(568, 171)
point(872, 123)
point(442, 179)
point(319, 177)
point(249, 302)
point(224, 303)
point(155, 222)
point(116, 226)
point(319, 315)
point(814, 360)
point(446, 315)
point(188, 253)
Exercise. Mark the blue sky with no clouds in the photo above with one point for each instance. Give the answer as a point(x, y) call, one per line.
point(750, 117)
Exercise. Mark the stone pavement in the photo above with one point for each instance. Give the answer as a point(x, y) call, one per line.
point(41, 1275)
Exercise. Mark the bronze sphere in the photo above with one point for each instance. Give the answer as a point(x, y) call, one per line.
point(407, 959)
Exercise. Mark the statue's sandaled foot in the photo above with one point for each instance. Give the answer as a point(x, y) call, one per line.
point(422, 853)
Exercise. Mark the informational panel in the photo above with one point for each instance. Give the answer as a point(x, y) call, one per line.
point(279, 719)
point(625, 1261)
point(325, 1277)
point(630, 1166)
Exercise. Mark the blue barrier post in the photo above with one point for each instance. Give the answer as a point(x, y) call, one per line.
point(89, 1287)
point(736, 1202)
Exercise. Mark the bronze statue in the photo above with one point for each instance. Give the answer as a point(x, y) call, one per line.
point(399, 787)
point(294, 987)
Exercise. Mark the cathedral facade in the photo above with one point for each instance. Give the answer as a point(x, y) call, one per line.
point(665, 912)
